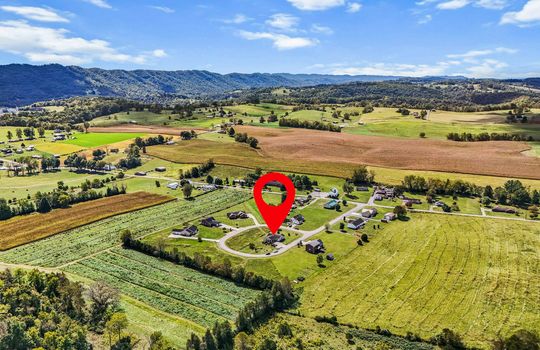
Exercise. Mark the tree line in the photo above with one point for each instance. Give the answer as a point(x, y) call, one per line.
point(60, 197)
point(198, 171)
point(468, 137)
point(307, 124)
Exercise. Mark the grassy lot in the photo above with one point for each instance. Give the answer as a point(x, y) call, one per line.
point(143, 118)
point(256, 236)
point(173, 289)
point(387, 122)
point(315, 214)
point(240, 155)
point(22, 186)
point(475, 276)
point(29, 228)
point(80, 242)
point(260, 110)
point(145, 320)
point(99, 139)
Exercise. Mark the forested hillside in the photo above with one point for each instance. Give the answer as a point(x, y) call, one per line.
point(26, 84)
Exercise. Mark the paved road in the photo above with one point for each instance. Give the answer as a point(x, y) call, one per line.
point(305, 235)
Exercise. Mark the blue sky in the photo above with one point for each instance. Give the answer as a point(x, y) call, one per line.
point(477, 38)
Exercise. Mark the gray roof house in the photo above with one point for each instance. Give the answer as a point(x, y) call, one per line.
point(188, 231)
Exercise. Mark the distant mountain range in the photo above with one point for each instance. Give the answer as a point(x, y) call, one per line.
point(22, 84)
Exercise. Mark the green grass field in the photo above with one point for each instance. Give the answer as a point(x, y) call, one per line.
point(78, 243)
point(255, 236)
point(476, 276)
point(100, 139)
point(21, 186)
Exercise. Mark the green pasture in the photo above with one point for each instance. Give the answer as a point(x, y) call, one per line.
point(255, 237)
point(476, 276)
point(93, 139)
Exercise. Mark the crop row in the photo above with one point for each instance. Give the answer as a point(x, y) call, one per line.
point(159, 267)
point(78, 243)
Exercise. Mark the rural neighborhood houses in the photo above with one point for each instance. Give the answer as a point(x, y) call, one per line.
point(188, 231)
point(210, 222)
point(237, 215)
point(356, 224)
point(298, 220)
point(315, 247)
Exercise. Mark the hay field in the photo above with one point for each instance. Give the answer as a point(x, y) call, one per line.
point(478, 277)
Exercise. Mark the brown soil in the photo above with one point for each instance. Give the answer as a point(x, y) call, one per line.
point(498, 158)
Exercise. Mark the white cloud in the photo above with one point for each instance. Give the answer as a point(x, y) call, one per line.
point(425, 19)
point(280, 41)
point(488, 68)
point(315, 28)
point(316, 5)
point(100, 3)
point(409, 70)
point(529, 14)
point(50, 45)
point(457, 4)
point(478, 53)
point(237, 19)
point(35, 13)
point(163, 9)
point(354, 7)
point(159, 53)
point(283, 21)
point(492, 4)
point(453, 4)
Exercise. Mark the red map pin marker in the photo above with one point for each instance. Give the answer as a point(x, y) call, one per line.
point(274, 215)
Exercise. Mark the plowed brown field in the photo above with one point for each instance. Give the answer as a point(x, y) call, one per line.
point(25, 229)
point(498, 158)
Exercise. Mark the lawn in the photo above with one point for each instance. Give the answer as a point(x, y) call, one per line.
point(255, 236)
point(29, 228)
point(315, 214)
point(476, 276)
point(84, 241)
point(100, 139)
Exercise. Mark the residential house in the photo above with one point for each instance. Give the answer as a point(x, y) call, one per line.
point(272, 239)
point(173, 185)
point(208, 188)
point(210, 222)
point(331, 204)
point(389, 217)
point(188, 231)
point(315, 247)
point(362, 188)
point(160, 169)
point(298, 219)
point(237, 215)
point(356, 224)
point(504, 210)
point(334, 193)
point(369, 213)
point(140, 173)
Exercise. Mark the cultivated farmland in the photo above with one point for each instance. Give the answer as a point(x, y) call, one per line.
point(104, 234)
point(21, 230)
point(171, 288)
point(478, 277)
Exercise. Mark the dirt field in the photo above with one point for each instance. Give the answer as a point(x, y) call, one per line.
point(501, 158)
point(149, 129)
point(25, 229)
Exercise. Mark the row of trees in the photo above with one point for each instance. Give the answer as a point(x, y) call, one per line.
point(468, 137)
point(302, 182)
point(513, 192)
point(60, 197)
point(29, 133)
point(198, 171)
point(307, 124)
point(244, 138)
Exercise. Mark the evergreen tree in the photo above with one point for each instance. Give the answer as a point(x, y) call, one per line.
point(44, 206)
